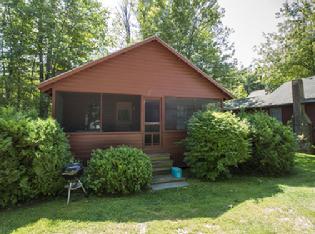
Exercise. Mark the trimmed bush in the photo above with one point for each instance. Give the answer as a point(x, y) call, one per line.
point(118, 170)
point(215, 142)
point(32, 152)
point(274, 145)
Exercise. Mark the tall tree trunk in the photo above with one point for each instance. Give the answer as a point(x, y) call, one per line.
point(43, 104)
point(124, 12)
point(3, 68)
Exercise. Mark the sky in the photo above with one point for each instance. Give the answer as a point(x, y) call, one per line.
point(249, 19)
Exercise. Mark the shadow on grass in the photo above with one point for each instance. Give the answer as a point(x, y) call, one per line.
point(200, 199)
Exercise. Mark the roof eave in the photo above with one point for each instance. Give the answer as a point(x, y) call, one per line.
point(92, 63)
point(189, 63)
point(43, 85)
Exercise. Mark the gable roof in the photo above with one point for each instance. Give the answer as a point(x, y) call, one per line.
point(281, 96)
point(44, 86)
point(256, 93)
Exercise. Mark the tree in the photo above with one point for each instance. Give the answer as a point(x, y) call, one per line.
point(245, 81)
point(193, 28)
point(289, 53)
point(124, 23)
point(15, 44)
point(40, 39)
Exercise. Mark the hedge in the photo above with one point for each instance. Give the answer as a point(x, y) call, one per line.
point(215, 142)
point(119, 170)
point(273, 145)
point(33, 152)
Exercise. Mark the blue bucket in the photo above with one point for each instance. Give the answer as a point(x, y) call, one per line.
point(177, 172)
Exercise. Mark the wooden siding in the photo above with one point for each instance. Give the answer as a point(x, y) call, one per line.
point(310, 111)
point(287, 113)
point(150, 70)
point(83, 143)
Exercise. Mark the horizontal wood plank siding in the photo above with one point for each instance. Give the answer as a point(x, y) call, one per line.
point(83, 143)
point(150, 70)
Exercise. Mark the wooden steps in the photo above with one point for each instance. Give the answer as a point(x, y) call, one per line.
point(159, 156)
point(162, 178)
point(161, 163)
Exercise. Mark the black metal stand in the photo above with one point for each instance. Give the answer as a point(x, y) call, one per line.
point(74, 185)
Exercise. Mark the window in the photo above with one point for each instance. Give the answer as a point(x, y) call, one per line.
point(124, 112)
point(78, 111)
point(121, 113)
point(179, 110)
point(276, 112)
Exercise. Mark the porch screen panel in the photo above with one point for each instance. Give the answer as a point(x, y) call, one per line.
point(121, 113)
point(179, 110)
point(78, 112)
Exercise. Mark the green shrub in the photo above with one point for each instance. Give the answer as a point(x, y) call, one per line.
point(32, 152)
point(118, 170)
point(274, 145)
point(215, 142)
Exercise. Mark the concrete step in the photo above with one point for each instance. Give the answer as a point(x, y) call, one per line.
point(159, 179)
point(156, 187)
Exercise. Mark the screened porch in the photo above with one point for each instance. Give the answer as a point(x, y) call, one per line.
point(98, 112)
point(148, 119)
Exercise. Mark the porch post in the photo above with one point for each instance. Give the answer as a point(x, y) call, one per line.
point(53, 105)
point(101, 112)
point(142, 119)
point(162, 121)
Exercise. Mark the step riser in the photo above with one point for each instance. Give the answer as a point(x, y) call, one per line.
point(159, 158)
point(162, 178)
point(162, 172)
point(161, 169)
point(162, 164)
point(158, 167)
point(158, 154)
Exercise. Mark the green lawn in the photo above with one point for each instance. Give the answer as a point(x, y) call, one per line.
point(238, 205)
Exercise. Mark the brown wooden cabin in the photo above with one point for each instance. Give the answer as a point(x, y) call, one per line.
point(279, 103)
point(140, 96)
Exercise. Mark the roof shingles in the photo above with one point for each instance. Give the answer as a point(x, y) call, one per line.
point(281, 96)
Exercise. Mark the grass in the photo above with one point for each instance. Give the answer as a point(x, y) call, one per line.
point(238, 205)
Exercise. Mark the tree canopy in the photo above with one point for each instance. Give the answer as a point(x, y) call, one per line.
point(40, 39)
point(193, 28)
point(289, 53)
